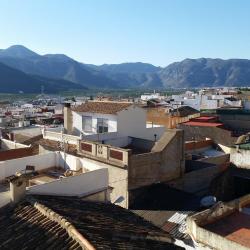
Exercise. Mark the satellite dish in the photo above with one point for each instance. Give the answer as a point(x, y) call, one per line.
point(119, 200)
point(208, 201)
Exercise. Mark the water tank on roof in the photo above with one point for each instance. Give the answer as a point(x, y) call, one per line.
point(208, 201)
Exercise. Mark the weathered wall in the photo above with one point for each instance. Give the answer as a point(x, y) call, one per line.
point(240, 158)
point(7, 145)
point(56, 136)
point(197, 181)
point(10, 167)
point(68, 120)
point(196, 222)
point(159, 116)
point(197, 145)
point(217, 160)
point(165, 163)
point(16, 153)
point(118, 179)
point(218, 135)
point(236, 121)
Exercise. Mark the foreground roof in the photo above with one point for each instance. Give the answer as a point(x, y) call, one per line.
point(46, 222)
point(102, 107)
point(166, 208)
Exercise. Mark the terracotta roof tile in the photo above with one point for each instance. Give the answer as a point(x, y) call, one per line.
point(102, 107)
point(39, 223)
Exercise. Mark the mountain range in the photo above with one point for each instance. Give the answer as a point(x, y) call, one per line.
point(24, 70)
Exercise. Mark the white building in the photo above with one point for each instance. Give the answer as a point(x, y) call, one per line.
point(147, 97)
point(125, 119)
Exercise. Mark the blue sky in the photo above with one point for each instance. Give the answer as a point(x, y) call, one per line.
point(114, 31)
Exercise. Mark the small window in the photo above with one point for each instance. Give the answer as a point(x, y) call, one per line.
point(102, 125)
point(87, 123)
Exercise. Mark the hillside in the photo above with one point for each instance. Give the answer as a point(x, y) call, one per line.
point(15, 81)
point(206, 72)
point(187, 73)
point(54, 66)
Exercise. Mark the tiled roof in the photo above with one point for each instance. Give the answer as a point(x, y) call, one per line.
point(172, 222)
point(186, 111)
point(162, 197)
point(102, 107)
point(103, 226)
point(24, 227)
point(166, 208)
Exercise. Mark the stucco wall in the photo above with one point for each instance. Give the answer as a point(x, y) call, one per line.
point(240, 157)
point(16, 153)
point(132, 122)
point(159, 116)
point(118, 179)
point(196, 222)
point(40, 162)
point(197, 181)
point(218, 135)
point(165, 165)
point(77, 121)
point(7, 145)
point(79, 185)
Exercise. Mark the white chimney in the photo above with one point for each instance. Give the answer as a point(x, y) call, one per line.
point(17, 188)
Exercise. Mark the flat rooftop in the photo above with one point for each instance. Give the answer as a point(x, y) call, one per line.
point(234, 227)
point(50, 175)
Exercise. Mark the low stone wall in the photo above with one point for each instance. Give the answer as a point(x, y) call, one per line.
point(196, 222)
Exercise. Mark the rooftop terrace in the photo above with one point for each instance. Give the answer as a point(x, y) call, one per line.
point(235, 227)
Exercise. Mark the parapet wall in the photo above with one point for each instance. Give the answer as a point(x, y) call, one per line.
point(164, 163)
point(218, 135)
point(196, 223)
point(104, 153)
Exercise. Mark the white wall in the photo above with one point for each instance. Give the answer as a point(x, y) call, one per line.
point(8, 168)
point(133, 122)
point(118, 179)
point(56, 136)
point(241, 158)
point(77, 121)
point(7, 145)
point(79, 185)
point(193, 103)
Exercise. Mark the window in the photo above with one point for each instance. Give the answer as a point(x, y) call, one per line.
point(102, 125)
point(87, 123)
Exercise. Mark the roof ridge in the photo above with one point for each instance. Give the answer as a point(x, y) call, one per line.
point(63, 222)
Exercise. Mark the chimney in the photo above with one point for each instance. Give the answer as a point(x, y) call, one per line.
point(18, 183)
point(67, 118)
point(17, 188)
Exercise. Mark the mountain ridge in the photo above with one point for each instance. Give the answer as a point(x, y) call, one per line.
point(200, 72)
point(16, 81)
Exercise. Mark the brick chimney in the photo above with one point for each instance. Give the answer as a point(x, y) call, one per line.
point(67, 118)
